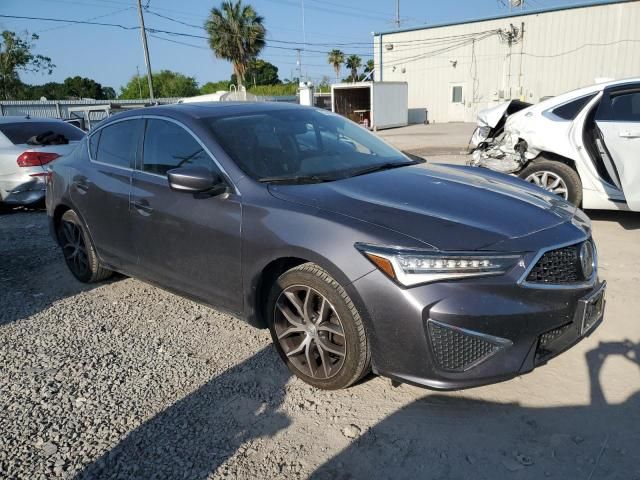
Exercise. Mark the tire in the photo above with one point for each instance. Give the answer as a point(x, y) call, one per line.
point(78, 250)
point(330, 310)
point(558, 169)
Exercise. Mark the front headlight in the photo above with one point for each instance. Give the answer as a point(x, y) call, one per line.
point(413, 267)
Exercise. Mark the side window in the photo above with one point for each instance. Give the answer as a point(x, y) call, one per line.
point(570, 110)
point(93, 144)
point(167, 146)
point(118, 143)
point(625, 107)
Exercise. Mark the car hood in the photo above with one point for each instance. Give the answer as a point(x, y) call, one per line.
point(443, 206)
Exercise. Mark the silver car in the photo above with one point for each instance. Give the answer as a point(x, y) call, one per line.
point(27, 145)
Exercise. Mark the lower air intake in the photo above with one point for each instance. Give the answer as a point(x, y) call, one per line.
point(458, 350)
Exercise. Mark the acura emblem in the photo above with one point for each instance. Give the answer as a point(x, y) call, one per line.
point(587, 260)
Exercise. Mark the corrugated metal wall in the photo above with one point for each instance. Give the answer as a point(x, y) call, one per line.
point(60, 108)
point(560, 51)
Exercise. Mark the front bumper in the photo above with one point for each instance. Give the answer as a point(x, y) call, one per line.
point(461, 334)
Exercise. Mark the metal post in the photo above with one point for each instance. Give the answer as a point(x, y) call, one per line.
point(143, 33)
point(380, 58)
point(397, 13)
point(299, 66)
point(58, 112)
point(139, 84)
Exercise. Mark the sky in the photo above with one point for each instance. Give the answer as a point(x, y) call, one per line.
point(111, 55)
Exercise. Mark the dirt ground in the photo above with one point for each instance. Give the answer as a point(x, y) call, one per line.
point(124, 380)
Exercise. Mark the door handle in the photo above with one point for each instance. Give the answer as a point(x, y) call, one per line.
point(81, 186)
point(630, 134)
point(143, 207)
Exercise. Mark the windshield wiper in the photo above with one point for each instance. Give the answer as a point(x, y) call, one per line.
point(297, 179)
point(380, 167)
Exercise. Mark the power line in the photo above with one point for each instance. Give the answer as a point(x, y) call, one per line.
point(153, 30)
point(88, 20)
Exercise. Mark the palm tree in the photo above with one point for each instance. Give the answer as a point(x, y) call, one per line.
point(237, 34)
point(369, 67)
point(336, 58)
point(354, 62)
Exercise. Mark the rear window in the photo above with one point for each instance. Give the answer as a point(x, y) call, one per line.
point(570, 110)
point(20, 132)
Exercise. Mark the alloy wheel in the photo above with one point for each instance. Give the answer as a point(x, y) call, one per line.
point(310, 332)
point(74, 248)
point(550, 181)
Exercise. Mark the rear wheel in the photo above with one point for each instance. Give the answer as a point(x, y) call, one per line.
point(316, 328)
point(555, 177)
point(78, 251)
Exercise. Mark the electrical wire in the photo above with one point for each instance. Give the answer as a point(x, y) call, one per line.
point(88, 20)
point(152, 30)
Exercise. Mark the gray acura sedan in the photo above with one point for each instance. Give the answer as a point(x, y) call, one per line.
point(354, 255)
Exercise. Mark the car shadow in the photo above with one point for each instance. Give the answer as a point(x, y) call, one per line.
point(456, 436)
point(627, 220)
point(33, 273)
point(199, 433)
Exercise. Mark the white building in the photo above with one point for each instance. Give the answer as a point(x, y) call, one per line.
point(454, 70)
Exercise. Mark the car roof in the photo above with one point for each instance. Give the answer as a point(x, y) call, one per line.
point(577, 93)
point(200, 110)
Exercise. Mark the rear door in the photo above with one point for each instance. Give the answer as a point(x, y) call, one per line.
point(618, 119)
point(185, 242)
point(100, 189)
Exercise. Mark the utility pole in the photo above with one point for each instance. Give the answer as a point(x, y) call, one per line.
point(138, 77)
point(143, 33)
point(304, 42)
point(397, 13)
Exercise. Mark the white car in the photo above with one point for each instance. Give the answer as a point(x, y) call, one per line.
point(27, 145)
point(583, 145)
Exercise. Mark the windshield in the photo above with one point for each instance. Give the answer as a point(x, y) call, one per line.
point(310, 144)
point(20, 132)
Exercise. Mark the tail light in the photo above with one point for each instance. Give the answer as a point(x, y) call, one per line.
point(36, 159)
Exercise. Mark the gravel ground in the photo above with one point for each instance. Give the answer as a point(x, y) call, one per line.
point(124, 380)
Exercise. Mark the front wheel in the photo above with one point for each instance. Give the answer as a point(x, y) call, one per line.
point(555, 177)
point(317, 329)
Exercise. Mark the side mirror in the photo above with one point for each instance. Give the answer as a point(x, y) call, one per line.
point(196, 180)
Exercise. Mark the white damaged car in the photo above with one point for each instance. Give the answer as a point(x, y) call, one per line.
point(583, 145)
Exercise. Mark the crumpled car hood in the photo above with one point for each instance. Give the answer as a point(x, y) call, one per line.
point(446, 207)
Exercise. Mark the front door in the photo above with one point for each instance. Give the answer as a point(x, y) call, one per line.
point(618, 118)
point(100, 190)
point(185, 242)
point(456, 102)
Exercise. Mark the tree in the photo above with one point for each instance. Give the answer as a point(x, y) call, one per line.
point(16, 56)
point(165, 84)
point(259, 72)
point(353, 63)
point(72, 87)
point(81, 87)
point(324, 85)
point(237, 34)
point(213, 87)
point(336, 59)
point(108, 93)
point(368, 68)
point(50, 91)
